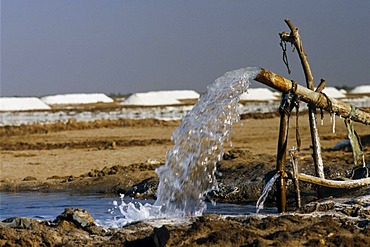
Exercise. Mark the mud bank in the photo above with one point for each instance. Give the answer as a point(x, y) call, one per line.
point(325, 223)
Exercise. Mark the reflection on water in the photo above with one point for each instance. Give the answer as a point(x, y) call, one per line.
point(47, 206)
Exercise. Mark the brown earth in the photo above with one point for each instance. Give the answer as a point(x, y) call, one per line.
point(121, 156)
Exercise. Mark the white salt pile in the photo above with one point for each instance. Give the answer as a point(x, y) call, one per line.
point(78, 98)
point(22, 104)
point(343, 91)
point(259, 94)
point(364, 89)
point(160, 97)
point(333, 92)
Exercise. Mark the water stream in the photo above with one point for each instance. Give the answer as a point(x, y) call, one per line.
point(189, 170)
point(265, 192)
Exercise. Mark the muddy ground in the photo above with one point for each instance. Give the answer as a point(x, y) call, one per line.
point(121, 157)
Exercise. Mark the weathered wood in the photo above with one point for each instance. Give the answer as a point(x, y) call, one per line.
point(285, 109)
point(329, 104)
point(348, 184)
point(321, 86)
point(294, 161)
point(295, 39)
point(358, 154)
point(280, 163)
point(316, 146)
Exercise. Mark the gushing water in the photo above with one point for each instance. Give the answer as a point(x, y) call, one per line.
point(130, 212)
point(189, 171)
point(265, 192)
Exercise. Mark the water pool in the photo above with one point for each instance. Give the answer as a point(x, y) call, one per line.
point(47, 206)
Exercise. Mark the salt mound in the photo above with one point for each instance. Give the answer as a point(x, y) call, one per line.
point(364, 89)
point(333, 92)
point(76, 99)
point(160, 97)
point(343, 91)
point(22, 104)
point(260, 94)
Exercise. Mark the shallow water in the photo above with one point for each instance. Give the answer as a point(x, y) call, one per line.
point(47, 206)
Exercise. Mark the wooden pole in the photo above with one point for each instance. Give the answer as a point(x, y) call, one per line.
point(280, 162)
point(294, 161)
point(338, 107)
point(296, 40)
point(286, 106)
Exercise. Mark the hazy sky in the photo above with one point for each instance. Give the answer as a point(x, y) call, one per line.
point(126, 46)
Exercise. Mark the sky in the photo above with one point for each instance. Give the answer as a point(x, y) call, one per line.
point(126, 46)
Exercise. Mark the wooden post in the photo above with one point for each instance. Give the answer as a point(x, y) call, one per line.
point(281, 159)
point(285, 109)
point(294, 161)
point(280, 163)
point(296, 40)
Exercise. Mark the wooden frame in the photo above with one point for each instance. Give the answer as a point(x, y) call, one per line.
point(314, 99)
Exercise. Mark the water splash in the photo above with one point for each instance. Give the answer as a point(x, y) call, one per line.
point(189, 171)
point(126, 213)
point(265, 192)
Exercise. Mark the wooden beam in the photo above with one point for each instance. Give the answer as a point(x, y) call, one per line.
point(329, 104)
